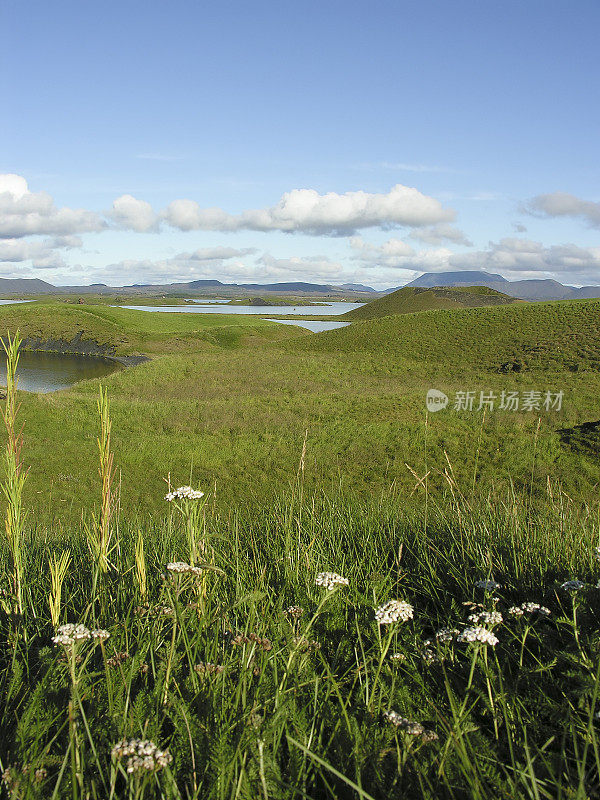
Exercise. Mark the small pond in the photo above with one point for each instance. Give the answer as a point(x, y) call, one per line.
point(314, 325)
point(48, 372)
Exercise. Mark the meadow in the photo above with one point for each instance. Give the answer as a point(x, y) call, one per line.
point(367, 601)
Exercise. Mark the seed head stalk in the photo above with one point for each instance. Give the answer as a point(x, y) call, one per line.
point(15, 476)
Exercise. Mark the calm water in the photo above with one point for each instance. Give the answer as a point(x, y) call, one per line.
point(315, 325)
point(204, 307)
point(47, 372)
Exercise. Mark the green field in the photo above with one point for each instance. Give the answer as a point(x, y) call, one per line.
point(316, 454)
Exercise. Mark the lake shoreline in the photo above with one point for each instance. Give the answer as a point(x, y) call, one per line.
point(78, 346)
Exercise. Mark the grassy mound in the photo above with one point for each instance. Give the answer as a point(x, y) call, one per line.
point(506, 338)
point(412, 298)
point(128, 332)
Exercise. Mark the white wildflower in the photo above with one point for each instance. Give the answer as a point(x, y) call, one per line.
point(294, 611)
point(143, 756)
point(329, 580)
point(71, 633)
point(397, 658)
point(429, 656)
point(535, 608)
point(407, 725)
point(488, 585)
point(515, 611)
point(486, 617)
point(100, 634)
point(394, 611)
point(572, 586)
point(446, 634)
point(184, 493)
point(478, 634)
point(181, 567)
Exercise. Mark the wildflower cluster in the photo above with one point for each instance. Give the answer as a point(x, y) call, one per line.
point(70, 634)
point(295, 612)
point(529, 608)
point(486, 617)
point(143, 756)
point(184, 493)
point(477, 634)
point(407, 725)
point(572, 586)
point(394, 611)
point(329, 580)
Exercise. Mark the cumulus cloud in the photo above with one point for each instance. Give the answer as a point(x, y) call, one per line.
point(438, 234)
point(390, 253)
point(132, 214)
point(25, 213)
point(44, 253)
point(562, 204)
point(516, 256)
point(307, 211)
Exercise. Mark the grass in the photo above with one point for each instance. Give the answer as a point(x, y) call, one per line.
point(231, 398)
point(250, 679)
point(412, 299)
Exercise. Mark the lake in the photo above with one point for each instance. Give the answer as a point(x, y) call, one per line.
point(48, 372)
point(220, 307)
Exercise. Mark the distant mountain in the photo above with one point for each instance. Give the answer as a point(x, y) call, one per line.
point(25, 286)
point(460, 278)
point(523, 290)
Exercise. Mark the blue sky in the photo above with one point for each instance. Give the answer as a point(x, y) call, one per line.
point(125, 121)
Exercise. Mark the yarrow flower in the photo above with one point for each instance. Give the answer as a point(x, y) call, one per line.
point(397, 658)
point(72, 633)
point(409, 726)
point(446, 634)
point(487, 617)
point(294, 611)
point(572, 586)
point(181, 567)
point(184, 493)
point(394, 611)
point(329, 580)
point(143, 756)
point(489, 586)
point(67, 635)
point(529, 608)
point(478, 634)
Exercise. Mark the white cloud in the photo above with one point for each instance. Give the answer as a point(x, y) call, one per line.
point(42, 253)
point(562, 204)
point(523, 258)
point(25, 213)
point(132, 214)
point(307, 211)
point(437, 234)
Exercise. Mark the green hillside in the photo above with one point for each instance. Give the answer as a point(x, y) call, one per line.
point(507, 338)
point(413, 298)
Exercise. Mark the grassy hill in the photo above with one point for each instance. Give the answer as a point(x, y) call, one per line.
point(505, 338)
point(413, 298)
